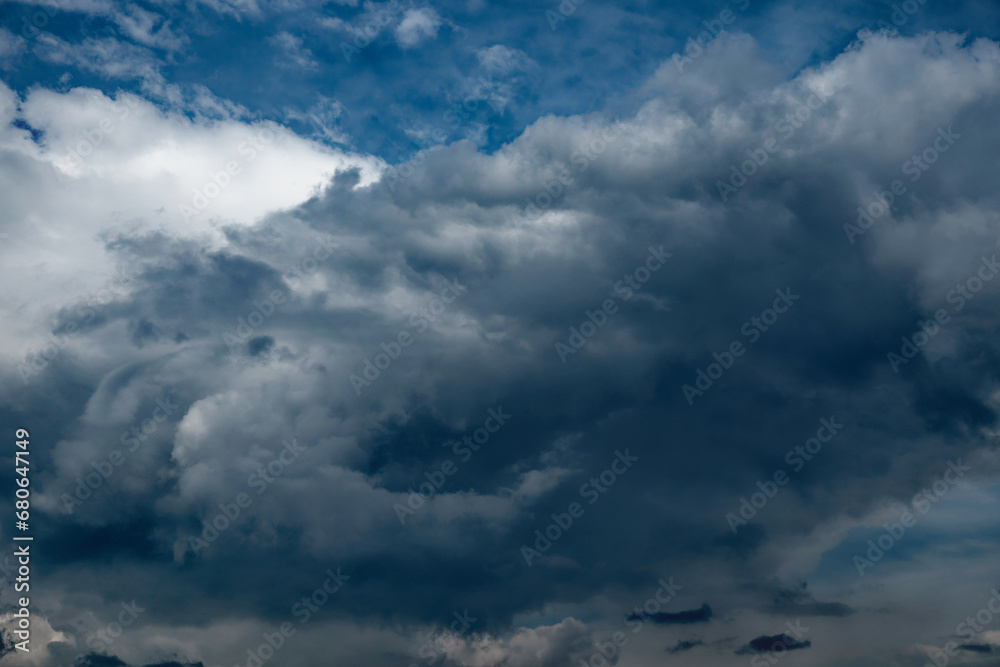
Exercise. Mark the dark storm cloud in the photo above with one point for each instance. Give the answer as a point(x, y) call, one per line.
point(97, 660)
point(701, 615)
point(260, 345)
point(765, 644)
point(530, 281)
point(538, 299)
point(6, 644)
point(977, 648)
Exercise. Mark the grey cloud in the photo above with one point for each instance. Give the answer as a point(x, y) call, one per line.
point(529, 279)
point(765, 644)
point(700, 615)
point(686, 645)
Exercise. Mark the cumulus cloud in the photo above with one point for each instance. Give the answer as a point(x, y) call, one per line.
point(44, 645)
point(416, 26)
point(540, 233)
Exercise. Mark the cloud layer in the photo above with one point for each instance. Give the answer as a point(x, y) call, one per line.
point(249, 358)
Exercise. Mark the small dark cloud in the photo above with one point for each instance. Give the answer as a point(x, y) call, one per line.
point(799, 602)
point(6, 643)
point(36, 135)
point(95, 660)
point(142, 332)
point(259, 345)
point(779, 643)
point(977, 648)
point(686, 645)
point(700, 615)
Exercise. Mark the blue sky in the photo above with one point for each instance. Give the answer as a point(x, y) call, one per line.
point(285, 64)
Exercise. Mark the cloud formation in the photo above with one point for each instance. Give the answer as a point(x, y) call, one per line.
point(197, 287)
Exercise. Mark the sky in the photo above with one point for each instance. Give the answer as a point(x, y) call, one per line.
point(470, 334)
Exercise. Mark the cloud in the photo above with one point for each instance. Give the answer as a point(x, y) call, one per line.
point(766, 644)
point(238, 9)
point(686, 645)
point(44, 643)
point(323, 119)
point(701, 615)
point(416, 26)
point(502, 60)
point(97, 660)
point(294, 53)
point(794, 602)
point(542, 231)
point(106, 56)
point(564, 643)
point(11, 45)
point(977, 648)
point(149, 29)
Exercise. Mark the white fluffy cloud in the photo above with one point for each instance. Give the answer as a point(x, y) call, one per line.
point(124, 163)
point(416, 26)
